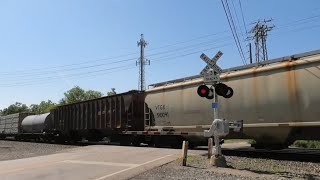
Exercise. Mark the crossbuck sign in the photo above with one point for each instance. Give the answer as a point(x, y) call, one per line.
point(212, 71)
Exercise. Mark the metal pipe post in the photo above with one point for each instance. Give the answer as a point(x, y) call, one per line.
point(215, 100)
point(217, 146)
point(184, 152)
point(210, 143)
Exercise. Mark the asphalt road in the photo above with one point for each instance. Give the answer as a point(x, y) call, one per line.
point(91, 162)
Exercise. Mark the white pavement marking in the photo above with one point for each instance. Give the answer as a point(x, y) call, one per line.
point(101, 163)
point(109, 175)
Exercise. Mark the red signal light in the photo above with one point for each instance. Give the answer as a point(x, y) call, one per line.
point(203, 91)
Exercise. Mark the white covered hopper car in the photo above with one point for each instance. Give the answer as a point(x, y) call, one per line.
point(278, 101)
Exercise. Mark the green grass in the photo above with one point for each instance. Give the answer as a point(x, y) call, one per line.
point(306, 144)
point(189, 158)
point(252, 141)
point(237, 140)
point(298, 143)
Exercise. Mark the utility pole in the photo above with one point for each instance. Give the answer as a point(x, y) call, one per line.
point(142, 62)
point(250, 53)
point(259, 35)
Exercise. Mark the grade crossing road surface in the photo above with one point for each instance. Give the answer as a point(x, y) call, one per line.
point(91, 162)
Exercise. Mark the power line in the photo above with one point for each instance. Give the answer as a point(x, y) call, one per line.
point(239, 26)
point(192, 46)
point(114, 57)
point(233, 34)
point(236, 33)
point(40, 70)
point(40, 83)
point(94, 73)
point(244, 23)
point(190, 40)
point(44, 72)
point(102, 71)
point(236, 14)
point(190, 53)
point(296, 30)
point(70, 75)
point(24, 74)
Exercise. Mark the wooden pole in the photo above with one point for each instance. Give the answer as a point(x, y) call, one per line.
point(210, 144)
point(184, 153)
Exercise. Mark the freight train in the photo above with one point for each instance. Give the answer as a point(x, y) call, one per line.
point(278, 101)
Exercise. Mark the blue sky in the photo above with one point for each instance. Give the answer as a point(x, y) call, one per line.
point(48, 47)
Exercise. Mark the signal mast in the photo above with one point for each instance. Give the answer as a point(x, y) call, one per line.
point(220, 127)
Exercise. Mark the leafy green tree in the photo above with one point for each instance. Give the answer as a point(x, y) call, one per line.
point(43, 107)
point(90, 94)
point(15, 108)
point(112, 92)
point(78, 94)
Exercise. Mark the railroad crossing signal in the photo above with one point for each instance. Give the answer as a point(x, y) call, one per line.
point(219, 88)
point(212, 71)
point(211, 75)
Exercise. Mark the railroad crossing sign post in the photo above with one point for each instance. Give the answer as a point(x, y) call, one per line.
point(211, 75)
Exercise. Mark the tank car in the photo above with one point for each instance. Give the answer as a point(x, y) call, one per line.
point(278, 101)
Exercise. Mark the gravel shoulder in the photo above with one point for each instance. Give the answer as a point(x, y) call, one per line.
point(238, 168)
point(10, 150)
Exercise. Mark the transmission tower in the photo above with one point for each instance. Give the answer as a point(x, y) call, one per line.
point(141, 63)
point(259, 36)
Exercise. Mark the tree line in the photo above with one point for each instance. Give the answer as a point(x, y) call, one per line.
point(75, 94)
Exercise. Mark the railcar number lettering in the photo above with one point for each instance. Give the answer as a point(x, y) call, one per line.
point(160, 107)
point(162, 114)
point(162, 111)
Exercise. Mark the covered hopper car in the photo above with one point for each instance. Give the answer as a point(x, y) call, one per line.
point(278, 101)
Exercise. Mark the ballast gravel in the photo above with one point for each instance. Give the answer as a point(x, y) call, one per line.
point(10, 150)
point(238, 168)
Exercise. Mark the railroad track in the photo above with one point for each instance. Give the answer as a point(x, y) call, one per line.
point(290, 154)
